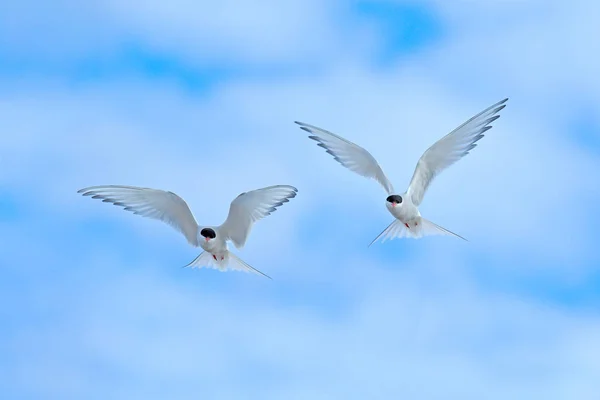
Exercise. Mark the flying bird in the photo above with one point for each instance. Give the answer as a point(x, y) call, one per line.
point(244, 211)
point(404, 207)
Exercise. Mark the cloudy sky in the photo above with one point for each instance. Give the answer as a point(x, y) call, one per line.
point(199, 98)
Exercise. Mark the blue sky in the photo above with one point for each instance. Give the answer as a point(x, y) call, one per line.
point(199, 98)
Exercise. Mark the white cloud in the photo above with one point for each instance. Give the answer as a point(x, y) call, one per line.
point(56, 31)
point(396, 333)
point(542, 52)
point(255, 31)
point(107, 314)
point(262, 32)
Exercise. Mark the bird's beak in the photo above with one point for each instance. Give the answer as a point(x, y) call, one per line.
point(207, 239)
point(394, 204)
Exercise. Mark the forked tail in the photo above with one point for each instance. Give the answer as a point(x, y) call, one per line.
point(417, 228)
point(229, 262)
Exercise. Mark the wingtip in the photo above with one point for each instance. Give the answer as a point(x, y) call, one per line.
point(85, 189)
point(290, 187)
point(293, 190)
point(85, 192)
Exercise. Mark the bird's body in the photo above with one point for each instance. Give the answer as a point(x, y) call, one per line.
point(217, 247)
point(406, 212)
point(244, 210)
point(405, 207)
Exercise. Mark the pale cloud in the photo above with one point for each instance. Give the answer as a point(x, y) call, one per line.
point(257, 31)
point(57, 31)
point(396, 333)
point(109, 314)
point(200, 33)
point(540, 51)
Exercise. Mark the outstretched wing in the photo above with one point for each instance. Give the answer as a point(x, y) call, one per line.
point(350, 155)
point(251, 206)
point(450, 149)
point(151, 203)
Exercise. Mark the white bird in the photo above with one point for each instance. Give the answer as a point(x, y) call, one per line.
point(442, 154)
point(244, 211)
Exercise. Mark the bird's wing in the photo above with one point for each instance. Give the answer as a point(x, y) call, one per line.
point(251, 206)
point(350, 155)
point(152, 203)
point(450, 149)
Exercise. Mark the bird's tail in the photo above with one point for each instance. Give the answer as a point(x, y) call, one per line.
point(428, 228)
point(417, 228)
point(224, 262)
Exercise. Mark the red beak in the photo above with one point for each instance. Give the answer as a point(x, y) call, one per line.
point(207, 239)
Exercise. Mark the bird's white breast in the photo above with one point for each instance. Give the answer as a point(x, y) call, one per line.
point(214, 246)
point(405, 211)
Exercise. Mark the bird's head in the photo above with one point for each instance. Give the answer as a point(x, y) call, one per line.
point(393, 200)
point(208, 234)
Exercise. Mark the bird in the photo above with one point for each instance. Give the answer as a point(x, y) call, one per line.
point(244, 211)
point(408, 222)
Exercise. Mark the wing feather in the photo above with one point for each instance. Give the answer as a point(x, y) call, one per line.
point(252, 206)
point(151, 203)
point(450, 149)
point(349, 154)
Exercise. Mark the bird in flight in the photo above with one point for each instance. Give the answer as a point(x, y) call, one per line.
point(404, 207)
point(244, 211)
